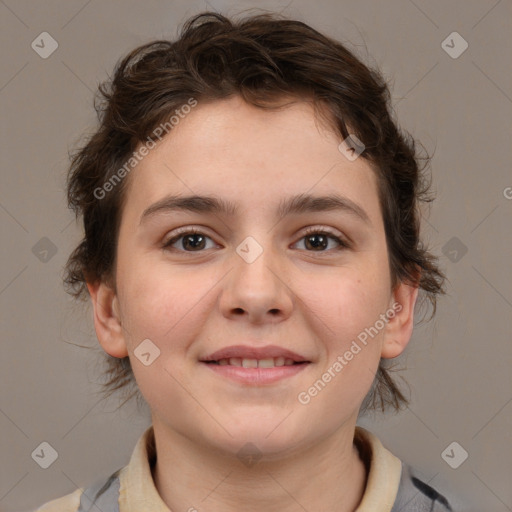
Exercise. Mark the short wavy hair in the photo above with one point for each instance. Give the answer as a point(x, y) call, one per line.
point(262, 58)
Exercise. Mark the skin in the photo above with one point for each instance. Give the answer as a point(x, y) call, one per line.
point(192, 303)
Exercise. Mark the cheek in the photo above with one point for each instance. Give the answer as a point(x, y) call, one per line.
point(346, 303)
point(170, 309)
point(160, 304)
point(346, 313)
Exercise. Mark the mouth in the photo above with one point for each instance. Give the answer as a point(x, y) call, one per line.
point(272, 362)
point(255, 366)
point(249, 356)
point(259, 376)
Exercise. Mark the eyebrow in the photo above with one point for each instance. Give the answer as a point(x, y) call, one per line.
point(299, 204)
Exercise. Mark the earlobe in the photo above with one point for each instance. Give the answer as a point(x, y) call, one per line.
point(107, 322)
point(401, 320)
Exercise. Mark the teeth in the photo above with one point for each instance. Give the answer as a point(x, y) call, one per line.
point(256, 363)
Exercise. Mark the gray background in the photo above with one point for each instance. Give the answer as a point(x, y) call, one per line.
point(458, 365)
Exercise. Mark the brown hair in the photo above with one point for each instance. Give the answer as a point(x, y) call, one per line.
point(262, 58)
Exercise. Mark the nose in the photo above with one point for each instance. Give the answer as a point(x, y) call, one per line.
point(257, 291)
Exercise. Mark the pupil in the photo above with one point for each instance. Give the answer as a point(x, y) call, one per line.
point(313, 240)
point(198, 245)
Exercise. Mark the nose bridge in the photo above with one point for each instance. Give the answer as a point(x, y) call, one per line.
point(256, 287)
point(256, 264)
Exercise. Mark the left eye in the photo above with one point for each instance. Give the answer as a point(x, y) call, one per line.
point(318, 241)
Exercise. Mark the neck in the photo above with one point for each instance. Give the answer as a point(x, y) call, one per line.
point(327, 476)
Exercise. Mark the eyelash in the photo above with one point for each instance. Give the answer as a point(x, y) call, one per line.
point(180, 233)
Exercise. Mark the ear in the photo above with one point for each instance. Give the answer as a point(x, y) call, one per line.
point(107, 319)
point(401, 320)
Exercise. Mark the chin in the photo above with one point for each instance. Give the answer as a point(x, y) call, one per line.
point(261, 437)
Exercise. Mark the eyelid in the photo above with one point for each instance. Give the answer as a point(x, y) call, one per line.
point(322, 229)
point(185, 230)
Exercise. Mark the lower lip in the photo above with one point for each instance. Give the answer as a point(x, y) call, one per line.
point(256, 376)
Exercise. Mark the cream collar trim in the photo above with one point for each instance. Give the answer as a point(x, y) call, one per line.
point(138, 491)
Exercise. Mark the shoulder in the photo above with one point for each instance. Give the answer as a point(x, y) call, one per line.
point(393, 485)
point(68, 503)
point(103, 495)
point(415, 495)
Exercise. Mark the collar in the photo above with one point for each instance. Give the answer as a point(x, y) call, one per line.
point(138, 492)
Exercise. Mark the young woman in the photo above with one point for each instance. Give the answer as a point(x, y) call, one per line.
point(253, 259)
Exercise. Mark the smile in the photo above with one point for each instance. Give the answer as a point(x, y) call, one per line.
point(270, 362)
point(254, 371)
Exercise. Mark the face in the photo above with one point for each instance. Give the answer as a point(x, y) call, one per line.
point(308, 279)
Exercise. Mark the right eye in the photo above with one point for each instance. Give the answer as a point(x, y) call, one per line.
point(187, 240)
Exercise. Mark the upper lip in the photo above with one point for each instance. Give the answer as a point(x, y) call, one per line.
point(248, 352)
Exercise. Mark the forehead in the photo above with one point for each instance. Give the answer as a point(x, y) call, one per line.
point(250, 156)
